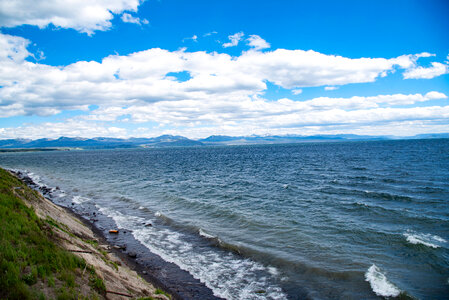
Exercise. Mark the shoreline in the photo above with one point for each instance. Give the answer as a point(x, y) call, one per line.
point(152, 268)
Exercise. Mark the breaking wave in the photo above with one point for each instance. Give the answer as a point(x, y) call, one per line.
point(380, 284)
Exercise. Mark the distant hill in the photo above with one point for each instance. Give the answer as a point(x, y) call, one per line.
point(180, 141)
point(100, 142)
point(278, 139)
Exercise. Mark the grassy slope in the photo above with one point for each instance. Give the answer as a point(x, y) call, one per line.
point(29, 259)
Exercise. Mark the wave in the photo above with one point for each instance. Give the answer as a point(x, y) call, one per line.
point(380, 284)
point(228, 275)
point(388, 196)
point(428, 240)
point(205, 234)
point(366, 193)
point(77, 199)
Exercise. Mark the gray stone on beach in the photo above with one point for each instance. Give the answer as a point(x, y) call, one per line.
point(120, 247)
point(132, 254)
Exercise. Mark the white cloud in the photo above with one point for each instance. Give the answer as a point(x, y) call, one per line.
point(437, 69)
point(234, 39)
point(223, 93)
point(257, 42)
point(297, 91)
point(82, 15)
point(299, 68)
point(193, 38)
point(209, 33)
point(284, 114)
point(69, 128)
point(141, 77)
point(127, 18)
point(13, 48)
point(330, 88)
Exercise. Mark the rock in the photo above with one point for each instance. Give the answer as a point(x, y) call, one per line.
point(148, 225)
point(119, 247)
point(144, 272)
point(45, 190)
point(132, 254)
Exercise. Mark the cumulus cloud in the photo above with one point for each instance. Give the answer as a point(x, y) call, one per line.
point(257, 115)
point(297, 91)
point(223, 94)
point(13, 48)
point(257, 42)
point(141, 77)
point(127, 18)
point(435, 70)
point(82, 15)
point(234, 39)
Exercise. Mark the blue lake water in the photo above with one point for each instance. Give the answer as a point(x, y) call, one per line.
point(353, 220)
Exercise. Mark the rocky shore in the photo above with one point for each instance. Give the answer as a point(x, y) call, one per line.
point(123, 249)
point(69, 232)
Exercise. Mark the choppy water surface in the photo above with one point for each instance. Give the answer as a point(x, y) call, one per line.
point(353, 220)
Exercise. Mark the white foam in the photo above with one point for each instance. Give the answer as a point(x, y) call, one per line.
point(141, 207)
point(158, 214)
point(273, 271)
point(36, 178)
point(227, 275)
point(205, 234)
point(79, 199)
point(380, 284)
point(428, 240)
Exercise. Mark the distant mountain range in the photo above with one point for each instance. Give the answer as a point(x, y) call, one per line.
point(180, 141)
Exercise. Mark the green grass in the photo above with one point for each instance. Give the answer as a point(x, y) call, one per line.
point(27, 252)
point(161, 292)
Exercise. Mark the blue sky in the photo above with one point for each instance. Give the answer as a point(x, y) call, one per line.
point(123, 68)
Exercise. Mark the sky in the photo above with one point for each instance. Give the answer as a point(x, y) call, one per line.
point(131, 68)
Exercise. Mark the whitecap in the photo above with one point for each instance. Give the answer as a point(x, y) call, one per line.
point(428, 240)
point(227, 275)
point(273, 271)
point(205, 234)
point(79, 199)
point(380, 284)
point(35, 178)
